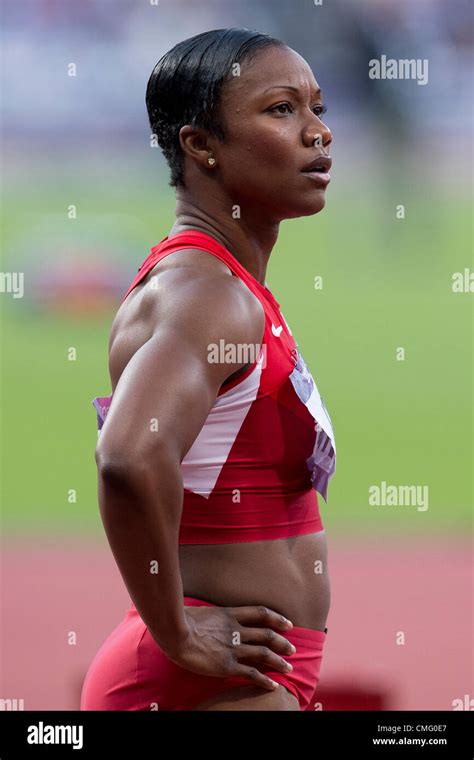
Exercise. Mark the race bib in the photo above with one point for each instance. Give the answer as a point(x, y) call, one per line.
point(102, 406)
point(322, 462)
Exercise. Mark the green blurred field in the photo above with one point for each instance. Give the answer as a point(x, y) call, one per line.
point(386, 283)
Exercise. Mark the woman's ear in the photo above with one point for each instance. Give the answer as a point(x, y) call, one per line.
point(194, 143)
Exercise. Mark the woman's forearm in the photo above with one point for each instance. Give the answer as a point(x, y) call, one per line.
point(141, 512)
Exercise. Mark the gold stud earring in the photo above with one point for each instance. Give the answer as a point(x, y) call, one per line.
point(211, 161)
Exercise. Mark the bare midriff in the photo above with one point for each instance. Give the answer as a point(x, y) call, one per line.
point(288, 575)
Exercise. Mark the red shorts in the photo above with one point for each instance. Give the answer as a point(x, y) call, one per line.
point(131, 672)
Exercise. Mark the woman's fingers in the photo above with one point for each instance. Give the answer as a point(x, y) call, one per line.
point(259, 615)
point(255, 677)
point(267, 637)
point(262, 655)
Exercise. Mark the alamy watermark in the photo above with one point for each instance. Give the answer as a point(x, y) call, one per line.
point(463, 282)
point(236, 353)
point(401, 495)
point(463, 703)
point(402, 68)
point(12, 704)
point(48, 734)
point(12, 282)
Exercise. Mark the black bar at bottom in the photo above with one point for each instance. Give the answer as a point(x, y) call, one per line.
point(77, 734)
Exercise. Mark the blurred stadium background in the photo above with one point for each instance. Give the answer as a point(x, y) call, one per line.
point(83, 141)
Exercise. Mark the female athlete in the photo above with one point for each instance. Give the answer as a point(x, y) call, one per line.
point(215, 440)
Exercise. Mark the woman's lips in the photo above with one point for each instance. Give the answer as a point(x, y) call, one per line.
point(322, 179)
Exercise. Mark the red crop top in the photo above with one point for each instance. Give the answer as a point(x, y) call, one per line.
point(267, 445)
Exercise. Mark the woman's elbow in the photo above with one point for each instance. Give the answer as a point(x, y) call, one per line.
point(121, 464)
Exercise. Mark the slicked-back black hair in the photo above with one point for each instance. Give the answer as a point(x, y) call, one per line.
point(186, 84)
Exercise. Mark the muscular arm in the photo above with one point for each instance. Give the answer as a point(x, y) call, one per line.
point(159, 406)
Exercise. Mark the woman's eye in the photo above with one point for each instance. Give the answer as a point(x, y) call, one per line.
point(281, 105)
point(319, 110)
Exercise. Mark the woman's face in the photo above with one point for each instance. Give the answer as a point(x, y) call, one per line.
point(272, 113)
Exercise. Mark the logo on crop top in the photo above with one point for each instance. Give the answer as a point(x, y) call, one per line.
point(322, 462)
point(277, 330)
